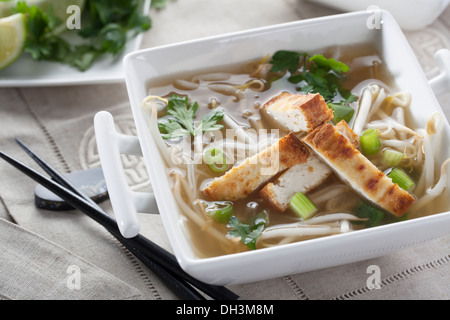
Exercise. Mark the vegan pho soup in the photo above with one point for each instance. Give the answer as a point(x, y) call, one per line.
point(293, 146)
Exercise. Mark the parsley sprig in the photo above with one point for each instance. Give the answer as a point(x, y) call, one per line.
point(106, 26)
point(317, 74)
point(180, 120)
point(248, 233)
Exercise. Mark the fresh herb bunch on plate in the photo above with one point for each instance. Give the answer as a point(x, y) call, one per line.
point(106, 25)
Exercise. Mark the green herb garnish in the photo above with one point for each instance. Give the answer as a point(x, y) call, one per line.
point(248, 233)
point(373, 215)
point(105, 28)
point(181, 119)
point(219, 211)
point(317, 74)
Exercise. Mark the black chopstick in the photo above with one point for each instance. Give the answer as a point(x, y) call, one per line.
point(140, 243)
point(148, 252)
point(179, 286)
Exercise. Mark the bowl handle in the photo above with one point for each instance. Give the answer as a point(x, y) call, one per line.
point(125, 202)
point(441, 83)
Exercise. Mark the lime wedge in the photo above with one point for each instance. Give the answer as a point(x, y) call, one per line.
point(12, 38)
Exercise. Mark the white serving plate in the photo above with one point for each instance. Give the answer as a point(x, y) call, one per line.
point(306, 35)
point(26, 72)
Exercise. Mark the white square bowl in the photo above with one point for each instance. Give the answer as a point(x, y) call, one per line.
point(306, 35)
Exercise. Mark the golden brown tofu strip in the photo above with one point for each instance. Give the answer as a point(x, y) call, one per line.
point(353, 167)
point(347, 132)
point(303, 177)
point(243, 179)
point(297, 112)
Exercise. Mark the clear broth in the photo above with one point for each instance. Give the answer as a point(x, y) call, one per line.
point(365, 65)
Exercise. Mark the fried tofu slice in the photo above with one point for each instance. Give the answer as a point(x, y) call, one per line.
point(354, 168)
point(347, 132)
point(297, 112)
point(244, 178)
point(303, 177)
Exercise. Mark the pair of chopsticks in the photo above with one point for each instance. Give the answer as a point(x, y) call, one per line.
point(161, 262)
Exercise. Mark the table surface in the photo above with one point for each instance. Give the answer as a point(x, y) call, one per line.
point(42, 250)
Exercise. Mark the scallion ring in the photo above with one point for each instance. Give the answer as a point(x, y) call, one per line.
point(211, 153)
point(215, 159)
point(369, 142)
point(391, 157)
point(401, 178)
point(219, 211)
point(302, 206)
point(219, 164)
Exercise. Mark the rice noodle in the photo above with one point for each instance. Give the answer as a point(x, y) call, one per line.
point(216, 76)
point(406, 147)
point(189, 212)
point(239, 131)
point(226, 89)
point(432, 192)
point(254, 85)
point(315, 227)
point(401, 99)
point(372, 98)
point(185, 84)
point(431, 145)
point(162, 147)
point(330, 198)
point(390, 123)
point(330, 217)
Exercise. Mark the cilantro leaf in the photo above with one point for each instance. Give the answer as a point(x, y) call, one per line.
point(183, 112)
point(248, 233)
point(209, 121)
point(171, 129)
point(373, 215)
point(181, 121)
point(112, 38)
point(285, 60)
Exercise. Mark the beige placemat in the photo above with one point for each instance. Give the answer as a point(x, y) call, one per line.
point(58, 123)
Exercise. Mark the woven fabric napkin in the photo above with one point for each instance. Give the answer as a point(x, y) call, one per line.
point(34, 267)
point(57, 122)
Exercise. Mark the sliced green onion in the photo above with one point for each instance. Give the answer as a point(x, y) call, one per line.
point(369, 141)
point(373, 215)
point(392, 158)
point(302, 206)
point(401, 178)
point(219, 164)
point(220, 211)
point(215, 159)
point(341, 112)
point(211, 153)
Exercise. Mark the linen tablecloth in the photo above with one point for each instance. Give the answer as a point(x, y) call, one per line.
point(41, 250)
